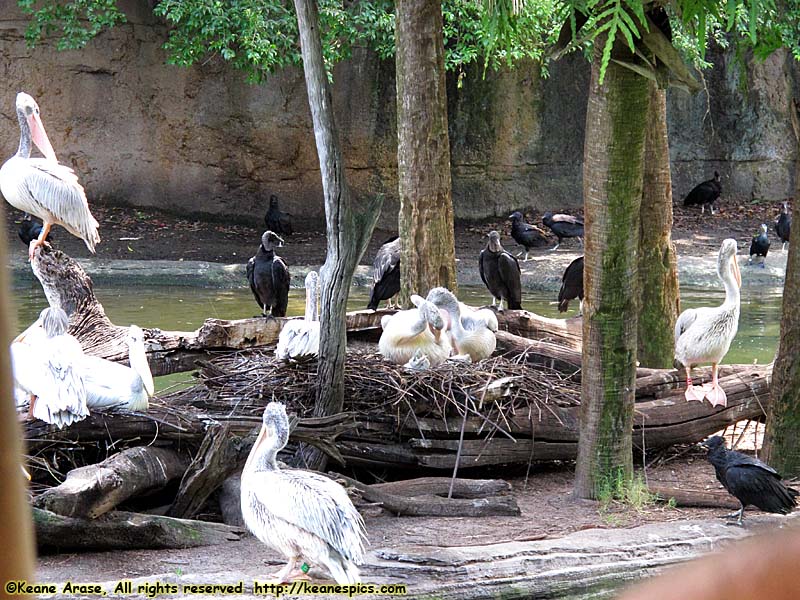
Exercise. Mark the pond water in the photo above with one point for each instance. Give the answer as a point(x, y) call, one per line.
point(185, 308)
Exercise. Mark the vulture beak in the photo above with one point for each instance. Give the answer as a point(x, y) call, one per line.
point(39, 136)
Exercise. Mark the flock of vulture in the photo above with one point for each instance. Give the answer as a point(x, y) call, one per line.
point(306, 516)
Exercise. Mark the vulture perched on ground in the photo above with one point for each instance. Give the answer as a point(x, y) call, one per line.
point(269, 277)
point(276, 220)
point(564, 226)
point(749, 480)
point(705, 194)
point(783, 225)
point(386, 273)
point(524, 234)
point(760, 245)
point(571, 285)
point(500, 272)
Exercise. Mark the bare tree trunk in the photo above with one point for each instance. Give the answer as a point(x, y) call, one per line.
point(423, 151)
point(781, 449)
point(16, 525)
point(612, 192)
point(658, 269)
point(348, 230)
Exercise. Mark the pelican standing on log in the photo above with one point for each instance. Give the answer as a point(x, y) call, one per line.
point(41, 186)
point(303, 515)
point(300, 338)
point(704, 335)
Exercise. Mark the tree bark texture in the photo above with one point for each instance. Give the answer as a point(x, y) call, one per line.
point(781, 448)
point(423, 151)
point(658, 268)
point(16, 528)
point(612, 191)
point(348, 229)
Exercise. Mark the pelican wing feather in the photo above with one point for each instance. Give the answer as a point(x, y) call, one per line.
point(55, 189)
point(315, 504)
point(685, 320)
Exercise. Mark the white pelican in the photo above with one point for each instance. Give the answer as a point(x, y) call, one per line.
point(112, 385)
point(303, 515)
point(417, 329)
point(43, 187)
point(472, 332)
point(44, 365)
point(705, 334)
point(298, 338)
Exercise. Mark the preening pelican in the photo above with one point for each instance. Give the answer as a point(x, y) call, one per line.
point(41, 186)
point(303, 515)
point(44, 365)
point(112, 385)
point(422, 328)
point(704, 335)
point(471, 332)
point(298, 338)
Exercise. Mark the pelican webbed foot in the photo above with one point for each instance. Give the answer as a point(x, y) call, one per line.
point(694, 393)
point(715, 394)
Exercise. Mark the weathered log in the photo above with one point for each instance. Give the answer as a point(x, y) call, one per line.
point(440, 486)
point(430, 504)
point(523, 323)
point(696, 498)
point(119, 530)
point(219, 455)
point(94, 490)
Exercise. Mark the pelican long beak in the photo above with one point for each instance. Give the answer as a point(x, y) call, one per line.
point(446, 318)
point(737, 274)
point(39, 136)
point(262, 435)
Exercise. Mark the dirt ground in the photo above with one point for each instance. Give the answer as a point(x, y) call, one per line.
point(146, 234)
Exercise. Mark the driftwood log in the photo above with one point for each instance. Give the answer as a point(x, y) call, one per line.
point(125, 531)
point(91, 491)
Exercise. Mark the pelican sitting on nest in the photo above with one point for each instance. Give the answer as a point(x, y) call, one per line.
point(112, 385)
point(705, 334)
point(303, 515)
point(43, 359)
point(472, 332)
point(418, 329)
point(298, 338)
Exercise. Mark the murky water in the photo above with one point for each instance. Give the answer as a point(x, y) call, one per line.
point(185, 308)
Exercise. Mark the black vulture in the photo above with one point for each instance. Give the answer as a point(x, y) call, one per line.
point(783, 225)
point(705, 194)
point(386, 273)
point(571, 285)
point(760, 245)
point(269, 277)
point(276, 220)
point(749, 480)
point(500, 272)
point(30, 229)
point(524, 234)
point(564, 226)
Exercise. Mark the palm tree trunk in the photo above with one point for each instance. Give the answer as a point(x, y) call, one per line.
point(16, 525)
point(658, 270)
point(612, 191)
point(348, 230)
point(781, 449)
point(427, 256)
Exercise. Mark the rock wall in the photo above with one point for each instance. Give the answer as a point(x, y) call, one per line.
point(202, 140)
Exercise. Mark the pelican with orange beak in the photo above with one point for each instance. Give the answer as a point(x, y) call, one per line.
point(704, 335)
point(42, 186)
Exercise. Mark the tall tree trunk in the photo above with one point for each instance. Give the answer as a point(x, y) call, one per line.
point(781, 448)
point(16, 524)
point(427, 255)
point(612, 193)
point(658, 269)
point(348, 229)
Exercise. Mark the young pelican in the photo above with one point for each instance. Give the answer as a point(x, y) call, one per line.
point(472, 332)
point(303, 515)
point(705, 334)
point(112, 385)
point(422, 328)
point(43, 360)
point(298, 338)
